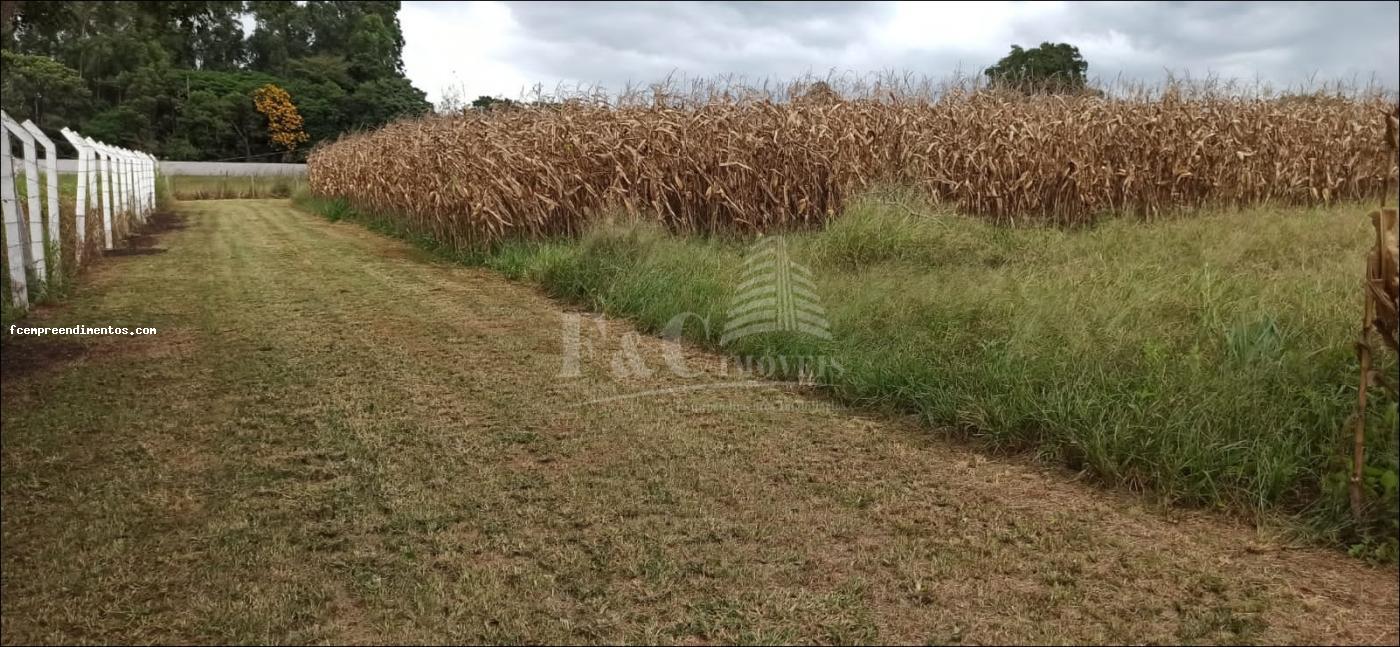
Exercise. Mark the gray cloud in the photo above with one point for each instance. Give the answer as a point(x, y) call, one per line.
point(613, 43)
point(1282, 43)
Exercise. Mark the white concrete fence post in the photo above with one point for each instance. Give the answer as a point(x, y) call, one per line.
point(144, 162)
point(50, 193)
point(118, 162)
point(112, 180)
point(85, 169)
point(114, 160)
point(102, 188)
point(134, 174)
point(146, 177)
point(123, 187)
point(129, 165)
point(108, 195)
point(33, 229)
point(14, 237)
point(154, 168)
point(138, 166)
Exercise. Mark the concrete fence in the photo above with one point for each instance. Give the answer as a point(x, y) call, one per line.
point(169, 167)
point(119, 185)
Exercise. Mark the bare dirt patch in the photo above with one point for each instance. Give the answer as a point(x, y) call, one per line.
point(164, 221)
point(143, 241)
point(26, 355)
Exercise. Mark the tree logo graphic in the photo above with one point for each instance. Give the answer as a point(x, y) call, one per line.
point(775, 294)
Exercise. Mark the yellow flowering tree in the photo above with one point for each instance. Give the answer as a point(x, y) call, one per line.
point(283, 120)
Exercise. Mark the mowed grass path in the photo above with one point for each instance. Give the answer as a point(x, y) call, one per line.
point(334, 438)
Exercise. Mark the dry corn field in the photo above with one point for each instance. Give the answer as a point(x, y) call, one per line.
point(753, 165)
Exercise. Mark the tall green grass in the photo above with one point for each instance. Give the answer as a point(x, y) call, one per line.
point(1206, 360)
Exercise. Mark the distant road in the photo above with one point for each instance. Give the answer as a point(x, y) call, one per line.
point(169, 167)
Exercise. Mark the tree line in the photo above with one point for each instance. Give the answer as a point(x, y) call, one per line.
point(178, 78)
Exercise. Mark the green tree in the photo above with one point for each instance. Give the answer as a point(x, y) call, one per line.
point(334, 26)
point(100, 40)
point(42, 89)
point(120, 126)
point(152, 92)
point(229, 101)
point(203, 124)
point(365, 33)
point(1051, 67)
point(281, 32)
point(322, 68)
point(485, 102)
point(201, 35)
point(321, 85)
point(176, 77)
point(381, 101)
point(372, 50)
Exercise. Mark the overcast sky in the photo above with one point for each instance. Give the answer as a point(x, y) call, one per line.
point(498, 48)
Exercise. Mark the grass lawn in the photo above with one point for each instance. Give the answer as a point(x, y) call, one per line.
point(1206, 359)
point(178, 187)
point(336, 438)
